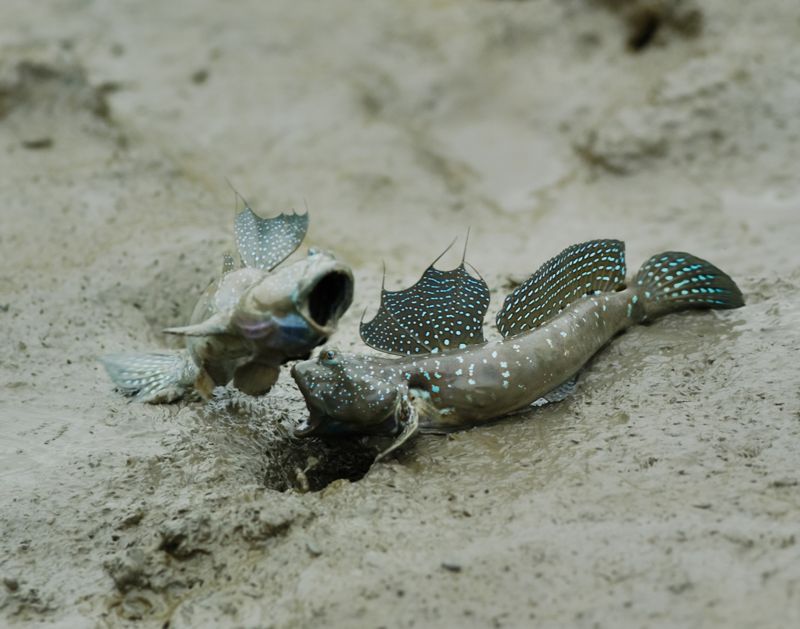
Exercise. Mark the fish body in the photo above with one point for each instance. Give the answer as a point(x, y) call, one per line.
point(552, 325)
point(249, 321)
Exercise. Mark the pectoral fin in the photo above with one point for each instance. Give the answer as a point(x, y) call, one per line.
point(407, 415)
point(213, 326)
point(559, 393)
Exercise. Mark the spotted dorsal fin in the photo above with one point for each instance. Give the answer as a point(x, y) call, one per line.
point(264, 243)
point(443, 310)
point(596, 266)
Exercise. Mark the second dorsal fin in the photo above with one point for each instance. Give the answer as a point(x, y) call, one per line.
point(595, 266)
point(443, 310)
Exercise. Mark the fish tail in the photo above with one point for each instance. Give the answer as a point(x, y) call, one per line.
point(675, 280)
point(155, 377)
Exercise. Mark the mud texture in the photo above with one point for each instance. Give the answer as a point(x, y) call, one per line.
point(665, 492)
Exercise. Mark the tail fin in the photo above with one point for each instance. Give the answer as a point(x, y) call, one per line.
point(675, 280)
point(154, 378)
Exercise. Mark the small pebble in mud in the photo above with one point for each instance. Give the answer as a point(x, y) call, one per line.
point(38, 144)
point(646, 20)
point(784, 482)
point(200, 76)
point(11, 584)
point(132, 519)
point(451, 566)
point(313, 549)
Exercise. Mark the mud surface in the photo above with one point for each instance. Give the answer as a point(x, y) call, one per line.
point(666, 492)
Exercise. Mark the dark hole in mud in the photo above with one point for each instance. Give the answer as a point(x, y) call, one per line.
point(643, 25)
point(312, 464)
point(260, 439)
point(329, 298)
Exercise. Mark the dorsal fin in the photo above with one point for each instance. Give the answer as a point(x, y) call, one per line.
point(443, 310)
point(595, 266)
point(266, 242)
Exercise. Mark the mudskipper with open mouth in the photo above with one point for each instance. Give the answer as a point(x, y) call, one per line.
point(248, 322)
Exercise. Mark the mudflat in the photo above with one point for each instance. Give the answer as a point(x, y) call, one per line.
point(664, 492)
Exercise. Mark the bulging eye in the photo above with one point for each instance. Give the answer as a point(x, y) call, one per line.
point(329, 356)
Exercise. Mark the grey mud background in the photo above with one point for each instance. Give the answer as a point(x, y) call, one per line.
point(664, 493)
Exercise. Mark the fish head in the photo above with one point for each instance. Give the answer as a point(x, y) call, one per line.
point(348, 393)
point(291, 310)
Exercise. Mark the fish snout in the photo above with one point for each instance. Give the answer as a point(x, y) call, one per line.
point(302, 374)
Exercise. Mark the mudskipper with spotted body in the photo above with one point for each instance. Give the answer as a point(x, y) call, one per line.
point(248, 322)
point(450, 378)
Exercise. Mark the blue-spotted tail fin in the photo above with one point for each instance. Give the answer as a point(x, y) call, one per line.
point(587, 268)
point(675, 280)
point(155, 377)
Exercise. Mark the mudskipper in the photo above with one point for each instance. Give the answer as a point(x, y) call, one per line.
point(449, 377)
point(248, 322)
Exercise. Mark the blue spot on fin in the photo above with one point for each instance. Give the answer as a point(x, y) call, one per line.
point(443, 310)
point(586, 268)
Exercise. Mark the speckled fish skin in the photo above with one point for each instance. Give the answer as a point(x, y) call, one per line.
point(248, 322)
point(470, 385)
point(551, 327)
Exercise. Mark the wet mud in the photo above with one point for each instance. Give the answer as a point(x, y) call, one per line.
point(664, 492)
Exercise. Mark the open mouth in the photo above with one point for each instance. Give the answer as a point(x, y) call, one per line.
point(329, 298)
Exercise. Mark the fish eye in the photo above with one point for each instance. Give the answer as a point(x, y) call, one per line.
point(328, 357)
